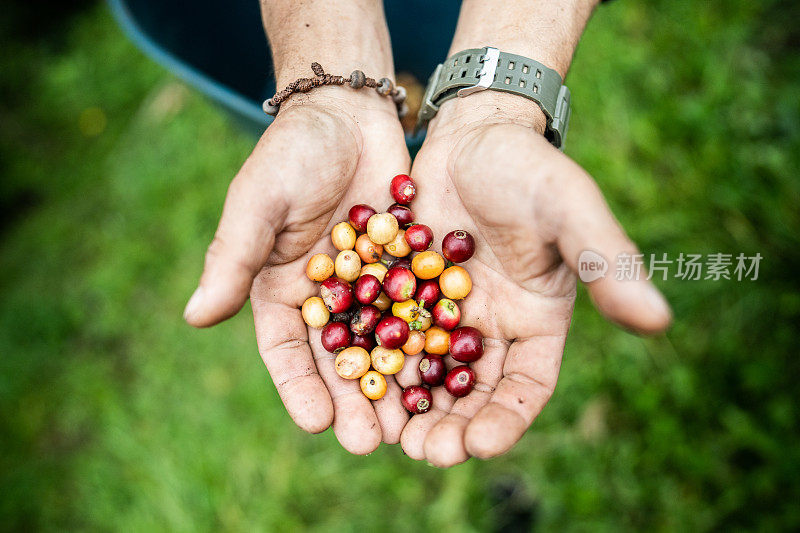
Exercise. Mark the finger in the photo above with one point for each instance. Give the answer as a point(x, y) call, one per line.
point(444, 445)
point(354, 422)
point(253, 214)
point(283, 344)
point(409, 374)
point(391, 414)
point(530, 373)
point(585, 225)
point(412, 440)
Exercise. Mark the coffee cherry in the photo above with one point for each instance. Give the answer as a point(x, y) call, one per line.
point(446, 314)
point(404, 215)
point(427, 293)
point(408, 310)
point(387, 361)
point(466, 344)
point(399, 284)
point(359, 215)
point(458, 246)
point(335, 336)
point(398, 247)
point(320, 267)
point(343, 236)
point(392, 332)
point(427, 265)
point(417, 399)
point(373, 385)
point(432, 370)
point(383, 302)
point(352, 362)
point(337, 294)
point(403, 189)
point(367, 342)
point(415, 343)
point(455, 283)
point(382, 228)
point(437, 341)
point(423, 322)
point(348, 265)
point(374, 269)
point(368, 251)
point(365, 320)
point(315, 313)
point(367, 289)
point(460, 381)
point(419, 237)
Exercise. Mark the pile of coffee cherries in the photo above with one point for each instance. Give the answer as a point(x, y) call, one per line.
point(374, 311)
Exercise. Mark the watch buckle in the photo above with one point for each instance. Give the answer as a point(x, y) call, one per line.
point(490, 59)
point(560, 122)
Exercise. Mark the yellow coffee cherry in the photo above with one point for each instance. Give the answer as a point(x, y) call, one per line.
point(352, 362)
point(387, 361)
point(382, 228)
point(427, 264)
point(320, 267)
point(398, 247)
point(373, 385)
point(455, 283)
point(437, 341)
point(343, 236)
point(314, 312)
point(376, 269)
point(408, 310)
point(348, 265)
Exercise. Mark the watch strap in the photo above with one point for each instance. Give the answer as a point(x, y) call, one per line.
point(478, 69)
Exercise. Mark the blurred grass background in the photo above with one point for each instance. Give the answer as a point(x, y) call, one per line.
point(114, 415)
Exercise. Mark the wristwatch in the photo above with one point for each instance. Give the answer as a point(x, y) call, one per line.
point(478, 69)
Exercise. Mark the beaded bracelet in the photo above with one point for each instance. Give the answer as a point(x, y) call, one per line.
point(357, 80)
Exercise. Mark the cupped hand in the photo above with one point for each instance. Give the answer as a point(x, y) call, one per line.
point(532, 211)
point(324, 152)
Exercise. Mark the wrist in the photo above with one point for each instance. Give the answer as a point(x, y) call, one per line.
point(358, 106)
point(485, 108)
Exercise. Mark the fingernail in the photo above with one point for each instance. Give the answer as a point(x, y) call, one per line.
point(657, 302)
point(194, 305)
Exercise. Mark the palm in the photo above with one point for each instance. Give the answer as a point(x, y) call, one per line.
point(521, 305)
point(531, 211)
point(337, 173)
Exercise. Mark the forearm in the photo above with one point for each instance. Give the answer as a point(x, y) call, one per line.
point(546, 31)
point(341, 35)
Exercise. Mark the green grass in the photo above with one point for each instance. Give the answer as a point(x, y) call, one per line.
point(115, 415)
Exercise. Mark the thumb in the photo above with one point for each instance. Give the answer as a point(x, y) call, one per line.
point(594, 245)
point(253, 214)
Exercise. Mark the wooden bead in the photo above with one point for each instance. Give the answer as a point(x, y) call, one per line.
point(357, 79)
point(399, 95)
point(384, 87)
point(269, 108)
